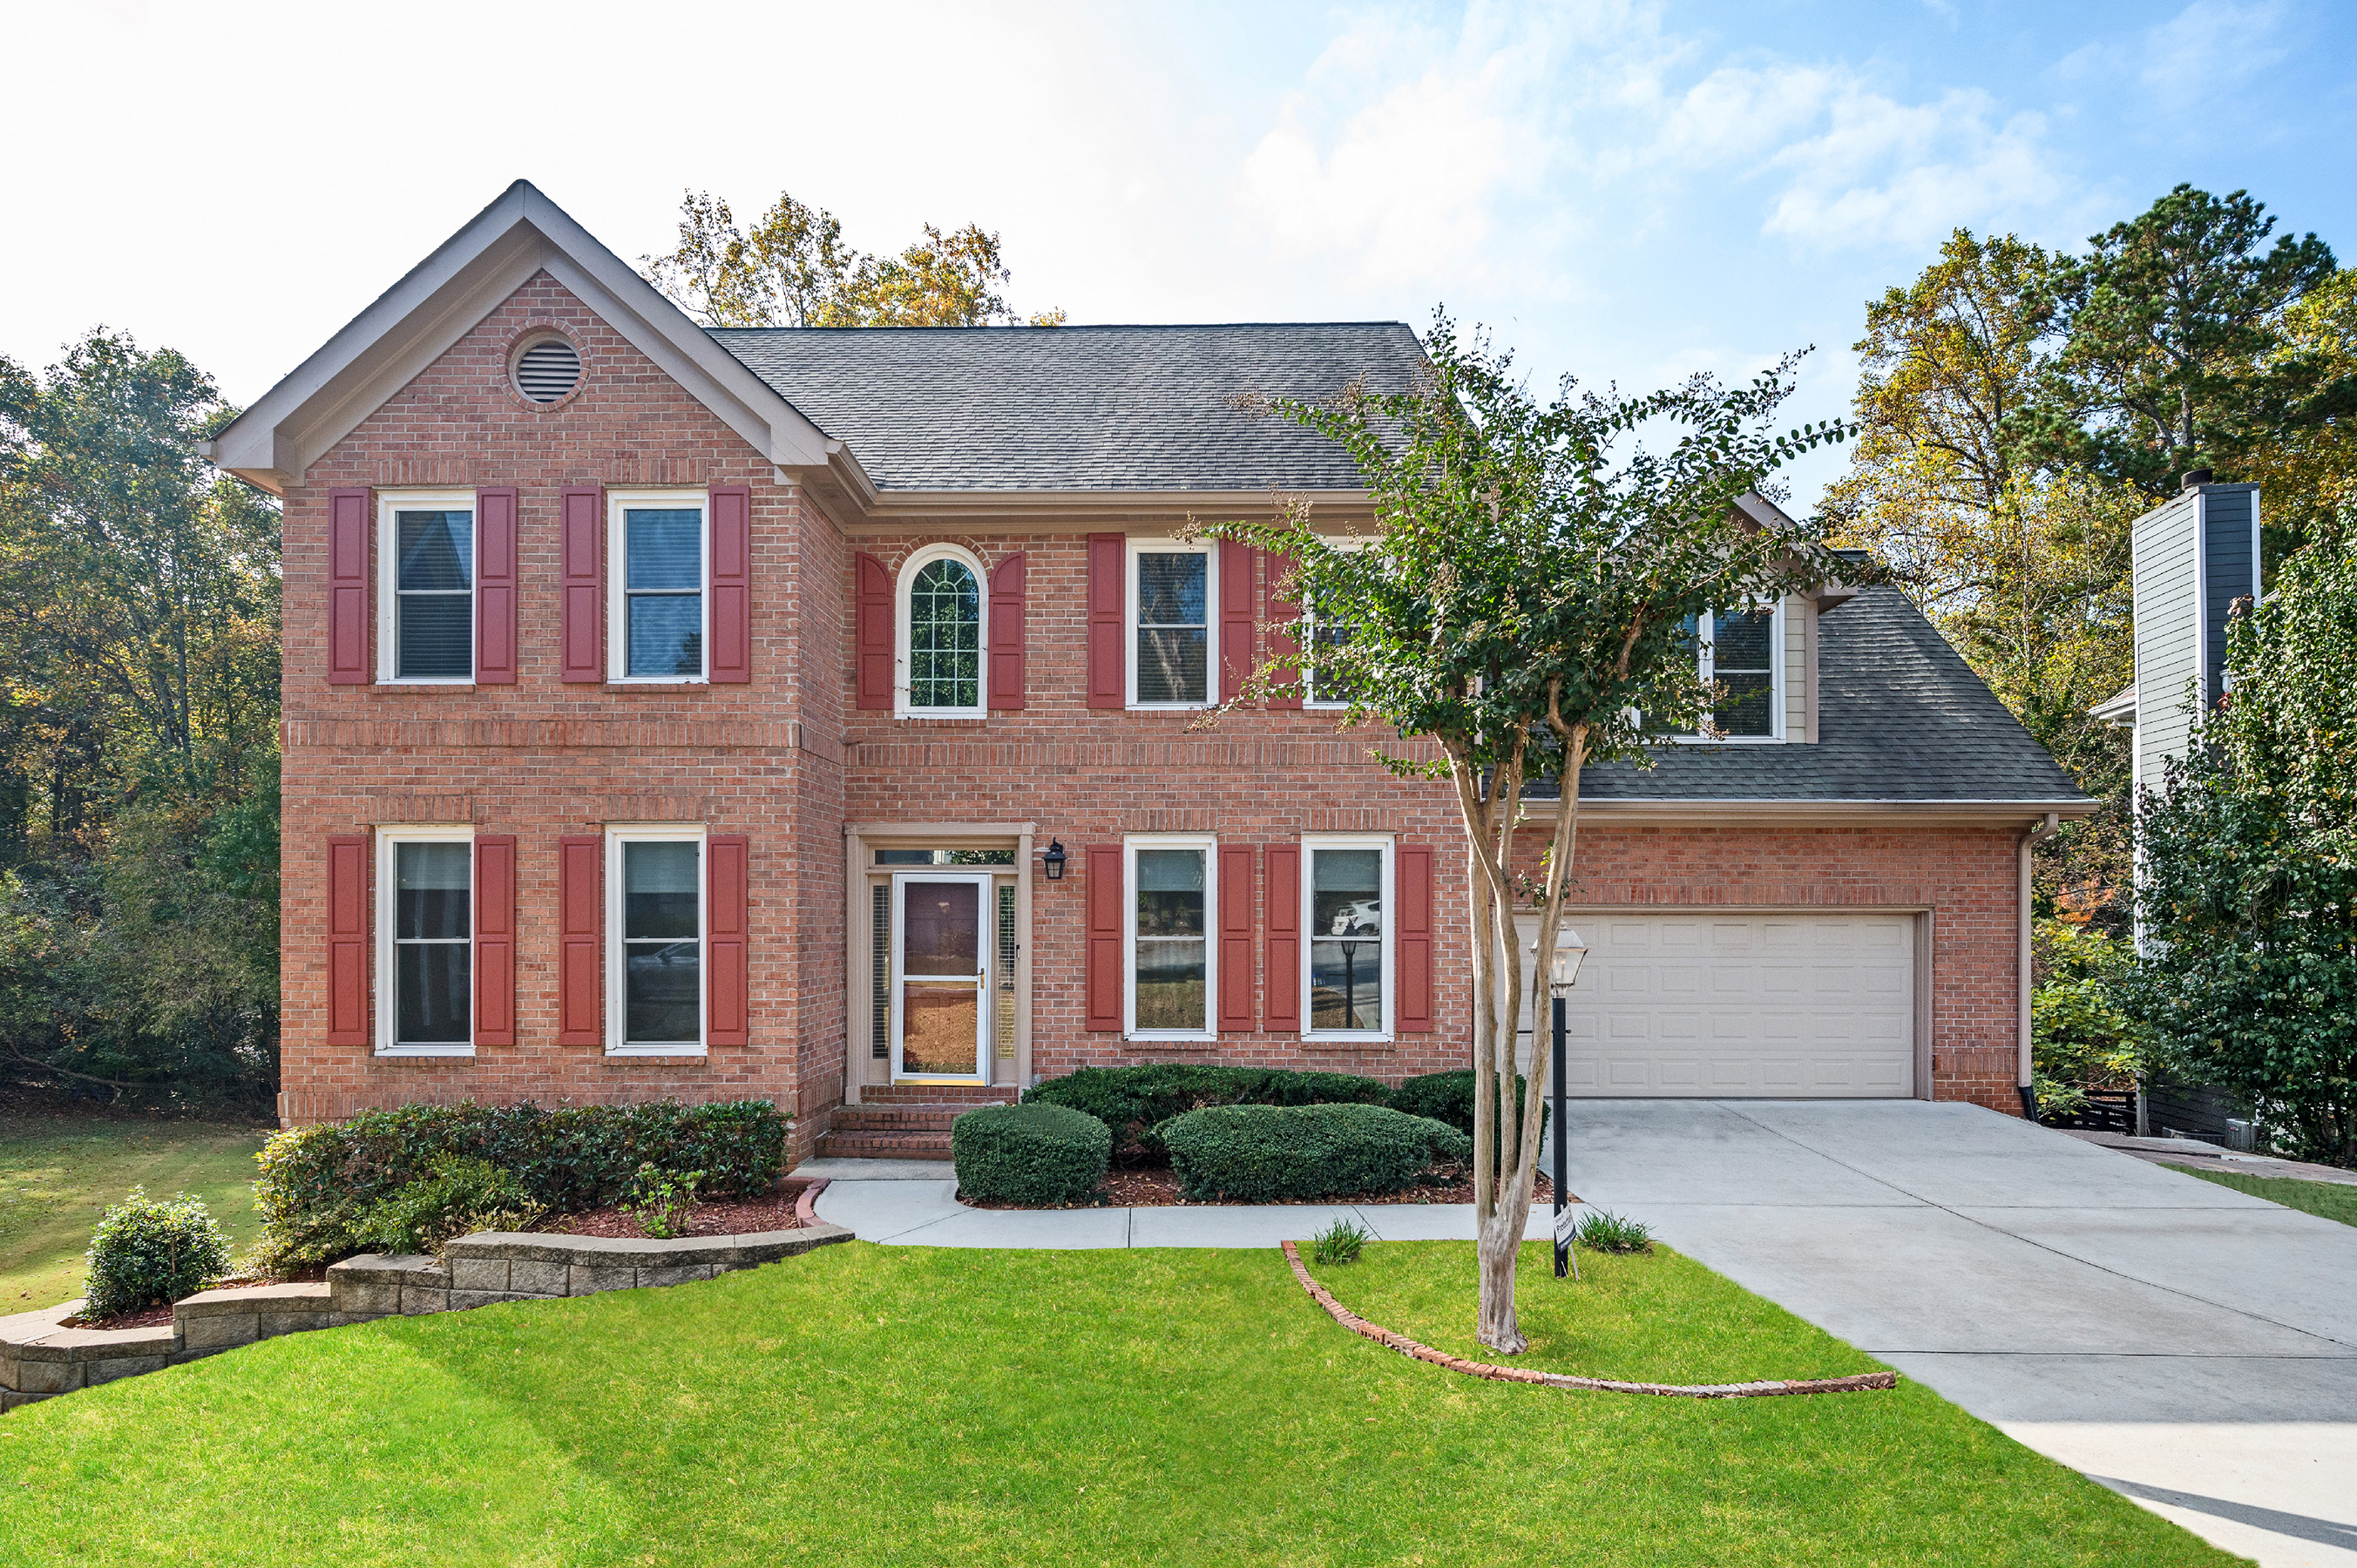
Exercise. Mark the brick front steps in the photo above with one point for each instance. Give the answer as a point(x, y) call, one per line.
point(40, 1358)
point(904, 1122)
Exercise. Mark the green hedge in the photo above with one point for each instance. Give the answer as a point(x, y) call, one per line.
point(319, 1184)
point(1449, 1097)
point(1029, 1154)
point(1134, 1100)
point(1253, 1153)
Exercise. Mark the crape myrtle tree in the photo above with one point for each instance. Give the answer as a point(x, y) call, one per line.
point(2248, 892)
point(1526, 601)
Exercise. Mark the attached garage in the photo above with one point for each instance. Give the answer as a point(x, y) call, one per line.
point(1808, 1004)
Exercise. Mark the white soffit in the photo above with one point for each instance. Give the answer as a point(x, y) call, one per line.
point(416, 321)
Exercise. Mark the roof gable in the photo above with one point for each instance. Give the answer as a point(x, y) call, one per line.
point(411, 325)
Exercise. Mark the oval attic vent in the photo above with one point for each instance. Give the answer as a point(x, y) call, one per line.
point(546, 372)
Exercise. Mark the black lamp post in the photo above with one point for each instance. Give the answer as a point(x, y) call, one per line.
point(1562, 973)
point(1053, 860)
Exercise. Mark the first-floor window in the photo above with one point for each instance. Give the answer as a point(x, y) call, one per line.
point(1170, 949)
point(657, 878)
point(425, 880)
point(1350, 954)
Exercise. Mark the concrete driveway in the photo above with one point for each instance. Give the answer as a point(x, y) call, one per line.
point(2189, 1347)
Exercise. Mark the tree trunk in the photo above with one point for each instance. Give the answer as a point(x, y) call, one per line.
point(1498, 1247)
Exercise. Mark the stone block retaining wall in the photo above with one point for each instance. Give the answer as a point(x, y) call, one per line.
point(41, 1358)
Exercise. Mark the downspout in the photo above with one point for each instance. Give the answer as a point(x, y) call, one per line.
point(2022, 1054)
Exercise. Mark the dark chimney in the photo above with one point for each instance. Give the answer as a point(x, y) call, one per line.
point(2194, 476)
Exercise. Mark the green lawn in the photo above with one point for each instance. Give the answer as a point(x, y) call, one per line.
point(56, 1174)
point(2328, 1201)
point(869, 1404)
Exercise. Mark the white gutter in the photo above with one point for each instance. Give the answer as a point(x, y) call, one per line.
point(2028, 839)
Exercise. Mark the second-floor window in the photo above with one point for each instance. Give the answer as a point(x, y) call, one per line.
point(1171, 591)
point(941, 634)
point(659, 600)
point(427, 633)
point(1739, 653)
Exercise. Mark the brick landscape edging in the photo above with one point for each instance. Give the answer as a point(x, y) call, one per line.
point(40, 1358)
point(1857, 1384)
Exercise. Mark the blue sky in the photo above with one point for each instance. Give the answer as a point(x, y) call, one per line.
point(1622, 192)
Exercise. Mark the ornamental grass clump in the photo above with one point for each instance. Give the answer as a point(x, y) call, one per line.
point(1341, 1242)
point(1605, 1232)
point(1029, 1154)
point(148, 1251)
point(1259, 1154)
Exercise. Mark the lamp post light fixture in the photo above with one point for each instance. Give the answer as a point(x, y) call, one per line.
point(1053, 860)
point(1563, 974)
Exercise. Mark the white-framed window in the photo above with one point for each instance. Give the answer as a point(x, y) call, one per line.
point(1346, 961)
point(425, 587)
point(660, 551)
point(425, 940)
point(1172, 604)
point(1172, 963)
point(942, 620)
point(1318, 632)
point(655, 969)
point(1743, 651)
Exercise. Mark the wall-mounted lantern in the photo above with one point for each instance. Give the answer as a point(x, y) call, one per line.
point(1053, 860)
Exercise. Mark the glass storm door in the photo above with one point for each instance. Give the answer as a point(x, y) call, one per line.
point(941, 976)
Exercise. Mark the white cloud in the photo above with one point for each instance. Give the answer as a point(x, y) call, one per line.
point(1882, 172)
point(2209, 43)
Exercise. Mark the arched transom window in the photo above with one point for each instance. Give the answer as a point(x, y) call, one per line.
point(944, 632)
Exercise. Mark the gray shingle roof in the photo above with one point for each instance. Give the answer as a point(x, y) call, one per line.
point(1076, 408)
point(1901, 717)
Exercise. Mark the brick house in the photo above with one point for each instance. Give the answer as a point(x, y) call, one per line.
point(812, 714)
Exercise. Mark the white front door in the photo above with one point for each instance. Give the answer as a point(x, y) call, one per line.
point(941, 976)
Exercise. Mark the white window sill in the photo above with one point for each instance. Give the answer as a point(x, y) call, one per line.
point(1727, 740)
point(440, 682)
point(656, 1051)
point(613, 682)
point(426, 1050)
point(1195, 1035)
point(971, 715)
point(1348, 1036)
point(1171, 708)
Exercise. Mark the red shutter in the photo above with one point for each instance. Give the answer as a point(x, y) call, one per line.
point(1237, 916)
point(874, 634)
point(1108, 581)
point(1411, 938)
point(1282, 615)
point(1007, 632)
point(348, 929)
point(1105, 961)
point(347, 586)
point(730, 658)
point(1284, 1008)
point(495, 939)
point(581, 541)
point(580, 915)
point(495, 588)
point(728, 918)
point(1236, 605)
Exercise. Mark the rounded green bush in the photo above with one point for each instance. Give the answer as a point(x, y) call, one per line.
point(1134, 1100)
point(152, 1249)
point(1449, 1097)
point(1029, 1154)
point(1255, 1153)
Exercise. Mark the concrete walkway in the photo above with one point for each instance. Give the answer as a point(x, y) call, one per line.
point(2189, 1347)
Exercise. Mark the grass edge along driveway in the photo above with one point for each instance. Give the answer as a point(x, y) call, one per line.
point(2325, 1200)
point(868, 1405)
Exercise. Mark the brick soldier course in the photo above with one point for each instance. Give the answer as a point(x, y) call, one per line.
point(1896, 783)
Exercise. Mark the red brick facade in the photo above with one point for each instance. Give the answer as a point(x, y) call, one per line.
point(787, 760)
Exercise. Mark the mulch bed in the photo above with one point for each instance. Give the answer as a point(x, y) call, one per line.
point(146, 1317)
point(772, 1212)
point(1159, 1190)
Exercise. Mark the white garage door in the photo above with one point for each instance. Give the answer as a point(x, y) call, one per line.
point(1792, 1007)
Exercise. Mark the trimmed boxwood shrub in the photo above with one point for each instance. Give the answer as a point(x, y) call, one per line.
point(463, 1196)
point(1134, 1100)
point(152, 1249)
point(319, 1184)
point(1449, 1097)
point(1029, 1154)
point(1253, 1153)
